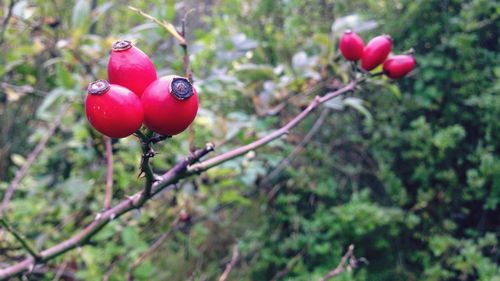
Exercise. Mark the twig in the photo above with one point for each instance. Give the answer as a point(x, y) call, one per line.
point(187, 72)
point(65, 274)
point(231, 264)
point(31, 158)
point(147, 154)
point(166, 25)
point(162, 238)
point(86, 63)
point(167, 181)
point(6, 20)
point(285, 162)
point(19, 238)
point(221, 158)
point(109, 173)
point(152, 248)
point(184, 45)
point(288, 266)
point(60, 271)
point(380, 73)
point(158, 138)
point(340, 267)
point(107, 275)
point(93, 26)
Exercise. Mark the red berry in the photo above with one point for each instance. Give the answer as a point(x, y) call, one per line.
point(351, 46)
point(130, 67)
point(170, 105)
point(113, 110)
point(398, 66)
point(376, 51)
point(184, 216)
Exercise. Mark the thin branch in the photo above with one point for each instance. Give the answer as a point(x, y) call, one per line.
point(19, 238)
point(60, 271)
point(86, 63)
point(158, 242)
point(6, 20)
point(107, 275)
point(147, 153)
point(289, 265)
point(341, 266)
point(165, 182)
point(65, 274)
point(32, 157)
point(285, 162)
point(376, 74)
point(162, 238)
point(109, 173)
point(166, 25)
point(187, 71)
point(231, 264)
point(146, 169)
point(221, 158)
point(93, 26)
point(184, 45)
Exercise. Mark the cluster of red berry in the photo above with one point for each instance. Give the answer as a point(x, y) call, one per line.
point(375, 53)
point(135, 96)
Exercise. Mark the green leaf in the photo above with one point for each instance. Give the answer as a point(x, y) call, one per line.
point(18, 159)
point(81, 14)
point(130, 236)
point(232, 196)
point(64, 77)
point(253, 72)
point(357, 104)
point(144, 271)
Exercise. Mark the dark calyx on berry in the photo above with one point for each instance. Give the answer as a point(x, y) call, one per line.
point(181, 88)
point(122, 45)
point(98, 87)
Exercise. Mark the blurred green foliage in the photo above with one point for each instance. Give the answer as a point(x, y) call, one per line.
point(411, 176)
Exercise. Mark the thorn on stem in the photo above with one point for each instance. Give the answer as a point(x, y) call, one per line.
point(31, 268)
point(210, 146)
point(98, 216)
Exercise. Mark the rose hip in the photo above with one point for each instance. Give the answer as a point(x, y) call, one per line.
point(130, 67)
point(376, 51)
point(351, 46)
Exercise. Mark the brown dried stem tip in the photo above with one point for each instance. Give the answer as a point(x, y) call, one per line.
point(410, 52)
point(181, 88)
point(122, 45)
point(388, 37)
point(98, 87)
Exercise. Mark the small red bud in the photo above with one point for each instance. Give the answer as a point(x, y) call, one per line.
point(184, 216)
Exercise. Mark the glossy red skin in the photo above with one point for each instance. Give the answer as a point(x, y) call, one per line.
point(351, 46)
point(184, 217)
point(375, 52)
point(165, 114)
point(116, 113)
point(398, 66)
point(132, 69)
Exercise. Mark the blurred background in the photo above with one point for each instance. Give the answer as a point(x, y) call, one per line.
point(407, 171)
